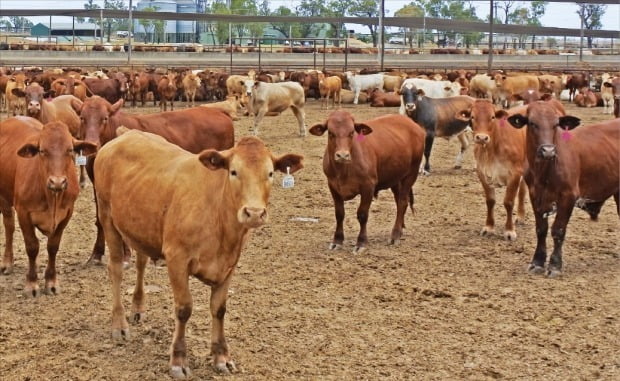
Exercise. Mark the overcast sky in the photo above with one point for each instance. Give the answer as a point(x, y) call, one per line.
point(561, 15)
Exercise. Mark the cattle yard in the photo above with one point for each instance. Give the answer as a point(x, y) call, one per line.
point(446, 303)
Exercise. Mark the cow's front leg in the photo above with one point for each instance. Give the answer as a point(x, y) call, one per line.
point(179, 282)
point(258, 118)
point(428, 145)
point(558, 232)
point(32, 249)
point(299, 114)
point(537, 266)
point(489, 195)
point(362, 218)
point(339, 211)
point(53, 242)
point(509, 201)
point(222, 361)
point(401, 193)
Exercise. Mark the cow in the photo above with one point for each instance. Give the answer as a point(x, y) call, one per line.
point(499, 151)
point(167, 89)
point(607, 96)
point(38, 179)
point(230, 106)
point(586, 98)
point(330, 86)
point(191, 84)
point(70, 86)
point(212, 200)
point(566, 167)
point(431, 88)
point(378, 98)
point(276, 98)
point(362, 158)
point(507, 86)
point(360, 82)
point(615, 87)
point(574, 82)
point(438, 117)
point(4, 79)
point(108, 88)
point(393, 82)
point(192, 129)
point(348, 96)
point(550, 84)
point(482, 86)
point(15, 104)
point(140, 84)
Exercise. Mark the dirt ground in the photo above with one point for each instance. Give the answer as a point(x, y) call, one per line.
point(447, 304)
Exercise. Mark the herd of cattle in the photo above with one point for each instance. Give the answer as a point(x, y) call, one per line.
point(203, 178)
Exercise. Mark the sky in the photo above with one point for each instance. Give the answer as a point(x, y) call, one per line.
point(561, 15)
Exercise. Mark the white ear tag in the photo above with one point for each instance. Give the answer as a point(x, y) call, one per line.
point(80, 159)
point(288, 181)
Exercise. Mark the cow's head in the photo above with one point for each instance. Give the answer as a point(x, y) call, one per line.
point(121, 78)
point(54, 148)
point(411, 95)
point(544, 127)
point(35, 95)
point(95, 113)
point(343, 132)
point(250, 85)
point(483, 120)
point(614, 84)
point(250, 167)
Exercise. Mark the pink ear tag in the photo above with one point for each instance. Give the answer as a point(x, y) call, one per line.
point(566, 135)
point(502, 122)
point(360, 137)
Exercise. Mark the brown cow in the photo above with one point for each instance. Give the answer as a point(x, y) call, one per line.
point(70, 86)
point(167, 90)
point(212, 201)
point(574, 82)
point(330, 86)
point(378, 98)
point(567, 167)
point(507, 86)
point(366, 157)
point(38, 179)
point(586, 98)
point(15, 104)
point(192, 129)
point(109, 88)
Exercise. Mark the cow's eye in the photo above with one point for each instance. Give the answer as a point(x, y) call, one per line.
point(271, 174)
point(233, 173)
point(351, 134)
point(105, 119)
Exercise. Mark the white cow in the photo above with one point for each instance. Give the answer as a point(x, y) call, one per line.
point(275, 98)
point(359, 82)
point(431, 89)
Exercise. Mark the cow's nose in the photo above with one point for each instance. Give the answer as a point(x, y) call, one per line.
point(254, 216)
point(248, 93)
point(547, 151)
point(482, 138)
point(343, 156)
point(34, 105)
point(57, 183)
point(410, 106)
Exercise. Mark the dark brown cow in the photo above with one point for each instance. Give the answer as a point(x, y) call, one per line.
point(38, 179)
point(167, 91)
point(212, 202)
point(567, 167)
point(193, 129)
point(379, 98)
point(109, 88)
point(575, 82)
point(366, 157)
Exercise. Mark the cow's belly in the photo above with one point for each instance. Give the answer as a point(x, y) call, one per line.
point(346, 190)
point(496, 172)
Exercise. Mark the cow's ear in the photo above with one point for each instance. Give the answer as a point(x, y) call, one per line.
point(29, 150)
point(607, 84)
point(213, 159)
point(363, 129)
point(291, 161)
point(18, 93)
point(48, 94)
point(84, 148)
point(421, 92)
point(318, 129)
point(242, 83)
point(569, 122)
point(76, 105)
point(517, 120)
point(463, 116)
point(116, 106)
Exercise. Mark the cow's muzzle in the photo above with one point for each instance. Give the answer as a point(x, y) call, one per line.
point(253, 217)
point(483, 139)
point(34, 107)
point(547, 151)
point(342, 156)
point(57, 183)
point(410, 106)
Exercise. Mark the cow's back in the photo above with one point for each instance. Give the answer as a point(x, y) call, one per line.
point(66, 114)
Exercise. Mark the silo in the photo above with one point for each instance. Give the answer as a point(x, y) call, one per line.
point(162, 6)
point(186, 29)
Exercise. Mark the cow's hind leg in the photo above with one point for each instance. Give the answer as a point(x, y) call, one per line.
point(120, 327)
point(537, 266)
point(222, 361)
point(179, 281)
point(137, 306)
point(512, 189)
point(428, 145)
point(464, 140)
point(401, 195)
point(299, 114)
point(521, 202)
point(9, 230)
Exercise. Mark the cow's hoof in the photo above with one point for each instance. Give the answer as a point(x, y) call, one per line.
point(458, 166)
point(554, 273)
point(92, 261)
point(335, 246)
point(535, 269)
point(227, 367)
point(31, 292)
point(51, 290)
point(395, 242)
point(359, 249)
point(126, 265)
point(510, 235)
point(487, 230)
point(180, 372)
point(120, 334)
point(138, 317)
point(6, 270)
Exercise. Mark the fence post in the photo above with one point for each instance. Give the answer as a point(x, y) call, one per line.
point(259, 56)
point(324, 51)
point(346, 53)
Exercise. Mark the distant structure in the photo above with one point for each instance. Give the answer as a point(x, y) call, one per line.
point(65, 31)
point(174, 30)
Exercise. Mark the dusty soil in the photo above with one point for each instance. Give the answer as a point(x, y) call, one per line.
point(447, 304)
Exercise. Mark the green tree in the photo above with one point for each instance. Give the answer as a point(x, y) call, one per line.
point(338, 8)
point(591, 15)
point(20, 23)
point(457, 10)
point(310, 8)
point(148, 24)
point(411, 10)
point(366, 8)
point(284, 27)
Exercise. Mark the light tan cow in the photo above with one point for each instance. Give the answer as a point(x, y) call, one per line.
point(191, 84)
point(508, 86)
point(275, 98)
point(212, 200)
point(230, 106)
point(330, 87)
point(14, 103)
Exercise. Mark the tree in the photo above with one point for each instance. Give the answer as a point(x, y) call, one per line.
point(148, 24)
point(20, 23)
point(310, 8)
point(458, 10)
point(338, 8)
point(506, 8)
point(109, 24)
point(6, 24)
point(284, 27)
point(366, 8)
point(411, 10)
point(590, 15)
